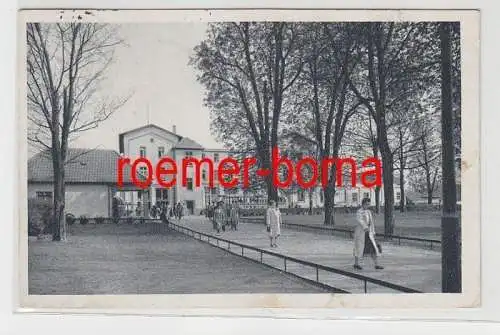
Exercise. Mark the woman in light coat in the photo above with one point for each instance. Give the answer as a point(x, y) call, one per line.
point(273, 221)
point(364, 236)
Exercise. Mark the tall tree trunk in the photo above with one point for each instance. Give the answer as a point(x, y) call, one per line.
point(402, 202)
point(272, 192)
point(329, 205)
point(377, 199)
point(59, 222)
point(429, 185)
point(378, 86)
point(450, 224)
point(388, 178)
point(311, 201)
point(387, 172)
point(375, 154)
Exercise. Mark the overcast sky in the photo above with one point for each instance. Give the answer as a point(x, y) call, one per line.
point(154, 64)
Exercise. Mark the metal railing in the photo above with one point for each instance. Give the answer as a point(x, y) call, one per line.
point(227, 244)
point(348, 232)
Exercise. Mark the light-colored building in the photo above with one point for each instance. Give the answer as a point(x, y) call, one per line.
point(90, 176)
point(155, 143)
point(346, 196)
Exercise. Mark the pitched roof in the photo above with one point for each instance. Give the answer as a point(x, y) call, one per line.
point(187, 143)
point(122, 135)
point(148, 126)
point(82, 166)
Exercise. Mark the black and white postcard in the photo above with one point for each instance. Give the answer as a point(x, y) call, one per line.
point(248, 159)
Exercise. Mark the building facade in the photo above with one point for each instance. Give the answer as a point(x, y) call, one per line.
point(90, 181)
point(155, 143)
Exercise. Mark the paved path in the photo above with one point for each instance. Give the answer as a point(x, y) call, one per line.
point(415, 268)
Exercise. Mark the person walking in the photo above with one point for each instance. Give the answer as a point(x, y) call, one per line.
point(364, 236)
point(219, 216)
point(179, 211)
point(234, 216)
point(273, 222)
point(213, 212)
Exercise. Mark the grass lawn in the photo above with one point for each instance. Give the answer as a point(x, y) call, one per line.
point(109, 259)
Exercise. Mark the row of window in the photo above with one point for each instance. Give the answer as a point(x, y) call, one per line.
point(143, 172)
point(301, 196)
point(187, 154)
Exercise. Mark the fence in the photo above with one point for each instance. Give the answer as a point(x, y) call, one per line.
point(349, 233)
point(227, 245)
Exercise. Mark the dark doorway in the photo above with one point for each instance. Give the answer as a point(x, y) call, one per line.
point(190, 206)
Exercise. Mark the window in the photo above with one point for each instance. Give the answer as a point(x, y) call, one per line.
point(204, 175)
point(216, 158)
point(44, 195)
point(143, 172)
point(354, 197)
point(321, 196)
point(189, 184)
point(142, 151)
point(161, 152)
point(202, 155)
point(398, 196)
point(301, 195)
point(188, 155)
point(161, 194)
point(366, 195)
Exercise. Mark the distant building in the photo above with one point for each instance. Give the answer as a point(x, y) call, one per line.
point(345, 196)
point(90, 176)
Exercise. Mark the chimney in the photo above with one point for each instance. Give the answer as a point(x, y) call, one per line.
point(174, 129)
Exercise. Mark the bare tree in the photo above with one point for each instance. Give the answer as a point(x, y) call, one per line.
point(65, 64)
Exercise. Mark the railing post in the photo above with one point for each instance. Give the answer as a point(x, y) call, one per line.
point(317, 274)
point(261, 256)
point(285, 263)
point(242, 251)
point(365, 287)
